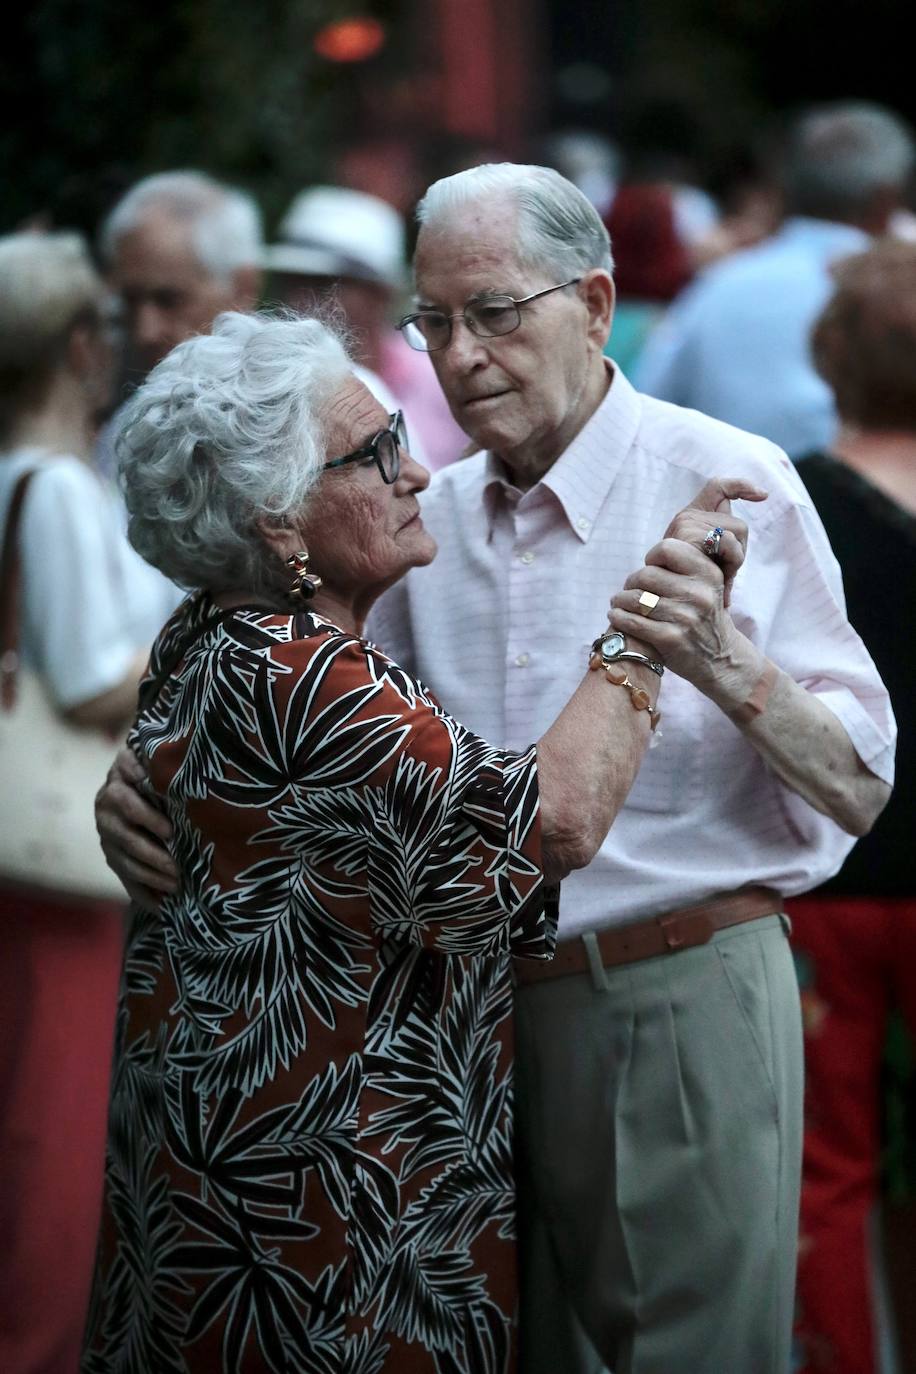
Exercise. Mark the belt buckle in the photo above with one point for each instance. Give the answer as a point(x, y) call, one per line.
point(682, 932)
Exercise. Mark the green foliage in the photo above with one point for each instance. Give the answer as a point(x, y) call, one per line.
point(96, 95)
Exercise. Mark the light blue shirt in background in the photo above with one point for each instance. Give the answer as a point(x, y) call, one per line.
point(735, 344)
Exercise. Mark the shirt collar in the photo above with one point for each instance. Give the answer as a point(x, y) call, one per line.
point(583, 475)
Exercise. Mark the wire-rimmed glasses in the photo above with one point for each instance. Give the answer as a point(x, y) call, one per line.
point(487, 316)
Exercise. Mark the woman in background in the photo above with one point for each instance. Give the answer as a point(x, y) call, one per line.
point(81, 632)
point(855, 938)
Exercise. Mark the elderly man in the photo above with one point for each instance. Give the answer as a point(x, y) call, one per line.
point(748, 318)
point(179, 248)
point(659, 1057)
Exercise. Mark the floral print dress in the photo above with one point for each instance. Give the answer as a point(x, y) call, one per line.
point(310, 1156)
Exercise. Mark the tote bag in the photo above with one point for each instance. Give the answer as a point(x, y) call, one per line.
point(50, 770)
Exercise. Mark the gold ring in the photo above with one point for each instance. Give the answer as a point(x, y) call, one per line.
point(647, 603)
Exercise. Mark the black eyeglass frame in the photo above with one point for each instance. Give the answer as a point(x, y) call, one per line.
point(397, 431)
point(516, 301)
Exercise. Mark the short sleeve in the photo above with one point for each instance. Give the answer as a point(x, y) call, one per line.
point(76, 630)
point(452, 824)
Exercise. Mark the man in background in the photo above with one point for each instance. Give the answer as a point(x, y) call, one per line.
point(735, 343)
point(179, 248)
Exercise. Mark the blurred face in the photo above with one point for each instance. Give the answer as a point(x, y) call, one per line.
point(526, 394)
point(363, 534)
point(165, 293)
point(366, 305)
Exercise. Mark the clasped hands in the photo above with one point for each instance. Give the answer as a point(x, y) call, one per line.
point(689, 627)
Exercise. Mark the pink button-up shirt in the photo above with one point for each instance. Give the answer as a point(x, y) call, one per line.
point(500, 625)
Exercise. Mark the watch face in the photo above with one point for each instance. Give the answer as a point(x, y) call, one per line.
point(612, 645)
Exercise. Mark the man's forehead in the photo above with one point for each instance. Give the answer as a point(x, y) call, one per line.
point(453, 261)
point(160, 245)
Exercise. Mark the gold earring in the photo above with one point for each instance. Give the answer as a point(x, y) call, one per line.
point(304, 584)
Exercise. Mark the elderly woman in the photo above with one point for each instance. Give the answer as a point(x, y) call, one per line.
point(310, 1150)
point(855, 938)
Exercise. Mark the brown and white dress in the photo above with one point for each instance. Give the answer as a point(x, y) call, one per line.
point(310, 1155)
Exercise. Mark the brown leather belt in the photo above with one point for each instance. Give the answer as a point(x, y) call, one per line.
point(626, 944)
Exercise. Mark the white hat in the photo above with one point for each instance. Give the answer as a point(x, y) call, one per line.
point(331, 231)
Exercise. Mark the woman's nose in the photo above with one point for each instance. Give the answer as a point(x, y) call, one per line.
point(413, 476)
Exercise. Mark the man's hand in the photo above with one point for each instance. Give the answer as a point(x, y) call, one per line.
point(694, 522)
point(134, 834)
point(689, 628)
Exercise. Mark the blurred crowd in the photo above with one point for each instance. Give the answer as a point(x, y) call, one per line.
point(786, 307)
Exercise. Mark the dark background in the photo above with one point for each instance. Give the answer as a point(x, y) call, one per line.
point(95, 95)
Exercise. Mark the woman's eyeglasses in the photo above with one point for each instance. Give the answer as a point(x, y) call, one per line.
point(385, 449)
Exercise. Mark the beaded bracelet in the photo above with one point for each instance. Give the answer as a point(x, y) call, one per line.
point(639, 697)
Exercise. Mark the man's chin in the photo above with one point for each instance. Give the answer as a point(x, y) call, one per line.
point(488, 433)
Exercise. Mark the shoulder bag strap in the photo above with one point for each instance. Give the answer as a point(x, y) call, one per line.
point(10, 579)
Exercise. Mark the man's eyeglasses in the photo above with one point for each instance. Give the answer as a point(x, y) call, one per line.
point(385, 449)
point(487, 316)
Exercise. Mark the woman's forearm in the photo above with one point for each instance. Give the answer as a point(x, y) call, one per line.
point(587, 762)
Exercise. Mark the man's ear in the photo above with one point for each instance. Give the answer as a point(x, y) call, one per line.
point(246, 288)
point(597, 289)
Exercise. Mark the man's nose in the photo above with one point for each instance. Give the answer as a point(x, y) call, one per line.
point(465, 349)
point(148, 326)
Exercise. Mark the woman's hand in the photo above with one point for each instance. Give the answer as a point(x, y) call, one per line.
point(134, 833)
point(689, 628)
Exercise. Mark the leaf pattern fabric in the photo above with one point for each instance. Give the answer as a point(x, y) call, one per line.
point(310, 1152)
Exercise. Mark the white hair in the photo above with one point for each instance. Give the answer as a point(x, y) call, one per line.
point(840, 155)
point(48, 285)
point(226, 430)
point(559, 230)
point(226, 226)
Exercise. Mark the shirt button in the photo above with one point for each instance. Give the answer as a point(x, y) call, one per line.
point(527, 557)
point(582, 523)
point(522, 661)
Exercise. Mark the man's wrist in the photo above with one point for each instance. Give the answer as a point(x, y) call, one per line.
point(732, 678)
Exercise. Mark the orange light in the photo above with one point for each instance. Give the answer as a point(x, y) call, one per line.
point(350, 40)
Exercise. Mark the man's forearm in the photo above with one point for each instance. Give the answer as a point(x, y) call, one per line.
point(799, 738)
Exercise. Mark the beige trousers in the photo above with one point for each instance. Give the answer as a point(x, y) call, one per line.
point(659, 1155)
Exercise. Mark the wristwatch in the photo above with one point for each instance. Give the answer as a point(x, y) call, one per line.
point(611, 647)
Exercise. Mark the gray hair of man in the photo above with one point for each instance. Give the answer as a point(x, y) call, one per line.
point(226, 227)
point(226, 432)
point(559, 230)
point(840, 156)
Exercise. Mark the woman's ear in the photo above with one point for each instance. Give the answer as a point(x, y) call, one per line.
point(90, 360)
point(279, 536)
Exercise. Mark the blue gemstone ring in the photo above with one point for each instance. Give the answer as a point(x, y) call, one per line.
point(712, 542)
